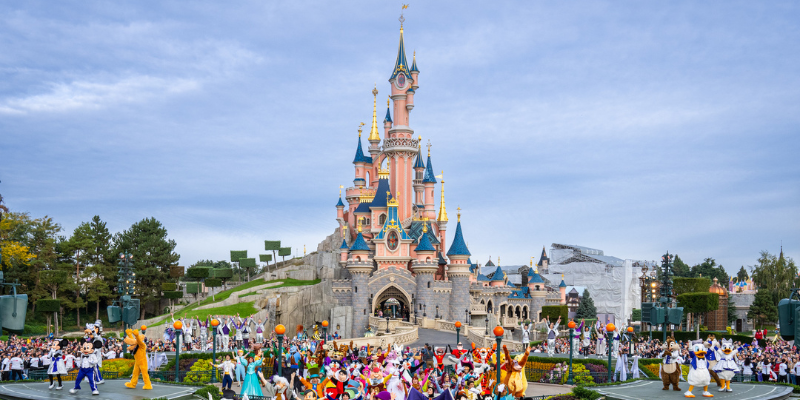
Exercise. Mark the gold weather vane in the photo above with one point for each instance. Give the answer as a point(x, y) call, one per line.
point(429, 149)
point(340, 190)
point(402, 18)
point(359, 128)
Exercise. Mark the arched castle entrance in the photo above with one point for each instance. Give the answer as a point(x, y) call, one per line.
point(393, 301)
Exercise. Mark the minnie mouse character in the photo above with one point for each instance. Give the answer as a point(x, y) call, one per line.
point(57, 367)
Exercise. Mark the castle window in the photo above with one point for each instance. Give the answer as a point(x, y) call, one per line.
point(365, 311)
point(382, 219)
point(429, 284)
point(355, 289)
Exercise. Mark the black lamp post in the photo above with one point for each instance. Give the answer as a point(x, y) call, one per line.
point(279, 331)
point(666, 288)
point(486, 322)
point(424, 307)
point(437, 311)
point(387, 324)
point(214, 325)
point(466, 316)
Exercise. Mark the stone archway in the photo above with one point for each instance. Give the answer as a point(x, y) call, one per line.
point(392, 291)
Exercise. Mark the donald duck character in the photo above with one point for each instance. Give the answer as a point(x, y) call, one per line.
point(726, 367)
point(698, 373)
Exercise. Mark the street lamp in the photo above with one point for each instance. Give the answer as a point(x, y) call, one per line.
point(437, 311)
point(458, 331)
point(498, 336)
point(571, 326)
point(424, 307)
point(325, 329)
point(214, 325)
point(610, 329)
point(178, 325)
point(630, 340)
point(387, 324)
point(466, 316)
point(486, 323)
point(666, 288)
point(279, 331)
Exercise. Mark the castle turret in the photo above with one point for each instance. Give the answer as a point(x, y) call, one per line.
point(340, 210)
point(344, 249)
point(419, 174)
point(499, 278)
point(359, 265)
point(428, 182)
point(562, 287)
point(425, 267)
point(361, 161)
point(442, 218)
point(458, 273)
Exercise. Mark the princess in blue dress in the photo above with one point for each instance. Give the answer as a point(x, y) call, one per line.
point(251, 386)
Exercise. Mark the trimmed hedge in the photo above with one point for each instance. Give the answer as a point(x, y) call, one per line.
point(173, 294)
point(555, 360)
point(197, 272)
point(237, 255)
point(48, 305)
point(169, 286)
point(222, 273)
point(265, 257)
point(193, 287)
point(247, 263)
point(285, 251)
point(273, 245)
point(176, 271)
point(700, 302)
point(556, 311)
point(690, 285)
point(213, 282)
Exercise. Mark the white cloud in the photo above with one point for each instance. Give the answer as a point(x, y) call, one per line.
point(78, 95)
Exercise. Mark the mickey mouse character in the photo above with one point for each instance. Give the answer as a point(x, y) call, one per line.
point(86, 364)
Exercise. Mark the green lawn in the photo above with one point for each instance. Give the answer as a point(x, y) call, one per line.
point(225, 294)
point(243, 309)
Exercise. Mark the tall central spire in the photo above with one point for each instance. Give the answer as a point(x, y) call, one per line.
point(373, 133)
point(401, 64)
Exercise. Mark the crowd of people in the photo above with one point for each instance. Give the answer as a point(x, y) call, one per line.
point(314, 366)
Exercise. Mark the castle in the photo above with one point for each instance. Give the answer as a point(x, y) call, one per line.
point(394, 241)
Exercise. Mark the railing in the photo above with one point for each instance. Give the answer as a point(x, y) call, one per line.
point(71, 376)
point(558, 377)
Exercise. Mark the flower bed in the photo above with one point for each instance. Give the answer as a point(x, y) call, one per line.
point(122, 366)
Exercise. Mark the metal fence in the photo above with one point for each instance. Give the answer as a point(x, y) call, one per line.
point(556, 376)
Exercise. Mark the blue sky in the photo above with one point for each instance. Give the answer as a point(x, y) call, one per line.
point(627, 126)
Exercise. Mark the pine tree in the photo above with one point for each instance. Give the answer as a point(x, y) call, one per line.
point(586, 308)
point(742, 274)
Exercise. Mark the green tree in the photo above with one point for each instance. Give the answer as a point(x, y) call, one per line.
point(776, 274)
point(742, 274)
point(586, 308)
point(680, 268)
point(731, 310)
point(763, 308)
point(698, 303)
point(153, 253)
point(94, 255)
point(709, 269)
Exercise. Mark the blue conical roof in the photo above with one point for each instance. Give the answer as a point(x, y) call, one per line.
point(498, 275)
point(429, 177)
point(344, 244)
point(414, 65)
point(380, 194)
point(359, 244)
point(388, 115)
point(425, 244)
point(360, 157)
point(533, 277)
point(562, 284)
point(459, 247)
point(401, 64)
point(340, 204)
point(419, 163)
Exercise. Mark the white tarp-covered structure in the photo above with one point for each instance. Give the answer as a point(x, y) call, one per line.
point(613, 283)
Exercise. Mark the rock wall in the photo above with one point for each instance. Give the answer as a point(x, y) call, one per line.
point(306, 306)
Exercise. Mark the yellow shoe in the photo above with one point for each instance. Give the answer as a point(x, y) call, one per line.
point(130, 385)
point(147, 387)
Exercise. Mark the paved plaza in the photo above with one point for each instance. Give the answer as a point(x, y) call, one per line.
point(651, 390)
point(111, 390)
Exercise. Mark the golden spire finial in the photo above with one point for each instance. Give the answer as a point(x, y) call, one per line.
point(359, 129)
point(373, 132)
point(531, 262)
point(429, 149)
point(388, 101)
point(340, 190)
point(424, 226)
point(359, 225)
point(442, 208)
point(459, 220)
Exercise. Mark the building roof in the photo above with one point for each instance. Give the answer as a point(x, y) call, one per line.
point(359, 244)
point(442, 259)
point(380, 199)
point(388, 116)
point(414, 63)
point(415, 231)
point(483, 278)
point(562, 284)
point(419, 163)
point(498, 275)
point(362, 208)
point(401, 64)
point(533, 277)
point(489, 263)
point(344, 244)
point(424, 244)
point(340, 204)
point(459, 247)
point(429, 177)
point(543, 258)
point(586, 254)
point(360, 157)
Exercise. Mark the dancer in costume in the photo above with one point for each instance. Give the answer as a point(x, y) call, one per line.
point(57, 365)
point(226, 332)
point(241, 371)
point(202, 327)
point(86, 364)
point(726, 367)
point(600, 344)
point(259, 331)
point(138, 348)
point(251, 386)
point(246, 332)
point(226, 368)
point(698, 373)
point(552, 333)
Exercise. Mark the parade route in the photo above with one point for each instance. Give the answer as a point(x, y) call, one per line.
point(651, 390)
point(111, 390)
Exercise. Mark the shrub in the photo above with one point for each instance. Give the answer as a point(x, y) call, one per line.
point(199, 366)
point(168, 286)
point(554, 312)
point(197, 272)
point(209, 389)
point(48, 305)
point(123, 366)
point(213, 282)
point(585, 394)
point(173, 294)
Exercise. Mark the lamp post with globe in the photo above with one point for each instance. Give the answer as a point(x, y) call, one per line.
point(610, 330)
point(178, 325)
point(571, 326)
point(498, 336)
point(458, 331)
point(214, 325)
point(325, 330)
point(279, 331)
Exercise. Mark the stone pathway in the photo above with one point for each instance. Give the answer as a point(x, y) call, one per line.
point(436, 338)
